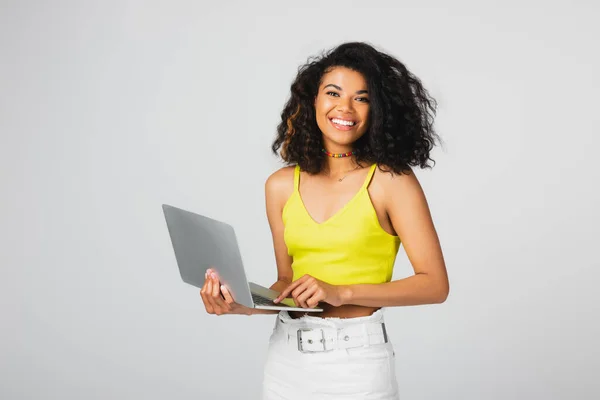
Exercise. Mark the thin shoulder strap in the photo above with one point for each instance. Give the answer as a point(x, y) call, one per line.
point(369, 176)
point(296, 177)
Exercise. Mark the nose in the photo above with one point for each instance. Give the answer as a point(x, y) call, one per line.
point(345, 105)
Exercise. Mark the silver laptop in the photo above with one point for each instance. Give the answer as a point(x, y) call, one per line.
point(201, 243)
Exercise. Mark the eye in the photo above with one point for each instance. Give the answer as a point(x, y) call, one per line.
point(363, 99)
point(333, 94)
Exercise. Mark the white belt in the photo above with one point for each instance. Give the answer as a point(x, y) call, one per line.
point(312, 340)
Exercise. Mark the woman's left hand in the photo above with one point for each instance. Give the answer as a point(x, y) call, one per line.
point(308, 291)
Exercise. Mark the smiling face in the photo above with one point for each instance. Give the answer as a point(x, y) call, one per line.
point(342, 108)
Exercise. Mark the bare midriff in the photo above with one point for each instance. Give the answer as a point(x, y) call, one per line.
point(345, 311)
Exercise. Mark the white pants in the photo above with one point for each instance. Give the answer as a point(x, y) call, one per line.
point(365, 372)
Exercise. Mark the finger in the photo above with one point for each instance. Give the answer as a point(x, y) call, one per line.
point(217, 298)
point(205, 293)
point(314, 300)
point(216, 281)
point(227, 295)
point(299, 291)
point(302, 288)
point(308, 293)
point(207, 306)
point(293, 286)
point(286, 292)
point(211, 297)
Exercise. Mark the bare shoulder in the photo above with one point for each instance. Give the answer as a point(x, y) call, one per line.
point(397, 186)
point(386, 176)
point(280, 184)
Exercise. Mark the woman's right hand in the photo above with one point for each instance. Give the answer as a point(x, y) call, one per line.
point(217, 298)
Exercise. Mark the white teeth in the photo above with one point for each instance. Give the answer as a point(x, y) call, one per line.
point(342, 122)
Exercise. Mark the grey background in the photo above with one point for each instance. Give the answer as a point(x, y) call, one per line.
point(110, 108)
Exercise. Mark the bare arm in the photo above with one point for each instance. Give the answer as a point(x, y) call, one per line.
point(410, 216)
point(278, 188)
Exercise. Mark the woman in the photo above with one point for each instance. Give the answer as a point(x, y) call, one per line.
point(356, 121)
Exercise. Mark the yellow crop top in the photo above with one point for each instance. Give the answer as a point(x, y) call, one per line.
point(349, 248)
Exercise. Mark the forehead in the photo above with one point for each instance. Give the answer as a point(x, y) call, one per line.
point(346, 78)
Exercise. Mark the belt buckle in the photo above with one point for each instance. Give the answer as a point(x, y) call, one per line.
point(301, 347)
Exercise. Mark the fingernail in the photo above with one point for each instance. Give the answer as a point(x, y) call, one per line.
point(223, 288)
point(276, 300)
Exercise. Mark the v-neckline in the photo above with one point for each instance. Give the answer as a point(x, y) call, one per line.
point(363, 187)
point(335, 214)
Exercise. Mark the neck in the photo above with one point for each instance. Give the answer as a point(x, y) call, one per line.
point(334, 166)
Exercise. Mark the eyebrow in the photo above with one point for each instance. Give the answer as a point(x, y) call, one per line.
point(339, 88)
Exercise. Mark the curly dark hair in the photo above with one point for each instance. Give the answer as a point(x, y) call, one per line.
point(400, 133)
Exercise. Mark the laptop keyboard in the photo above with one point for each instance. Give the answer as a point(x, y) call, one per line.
point(261, 301)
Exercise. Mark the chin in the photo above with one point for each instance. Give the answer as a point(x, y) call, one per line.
point(341, 139)
point(340, 142)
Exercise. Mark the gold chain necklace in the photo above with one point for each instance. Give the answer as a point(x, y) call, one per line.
point(347, 173)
